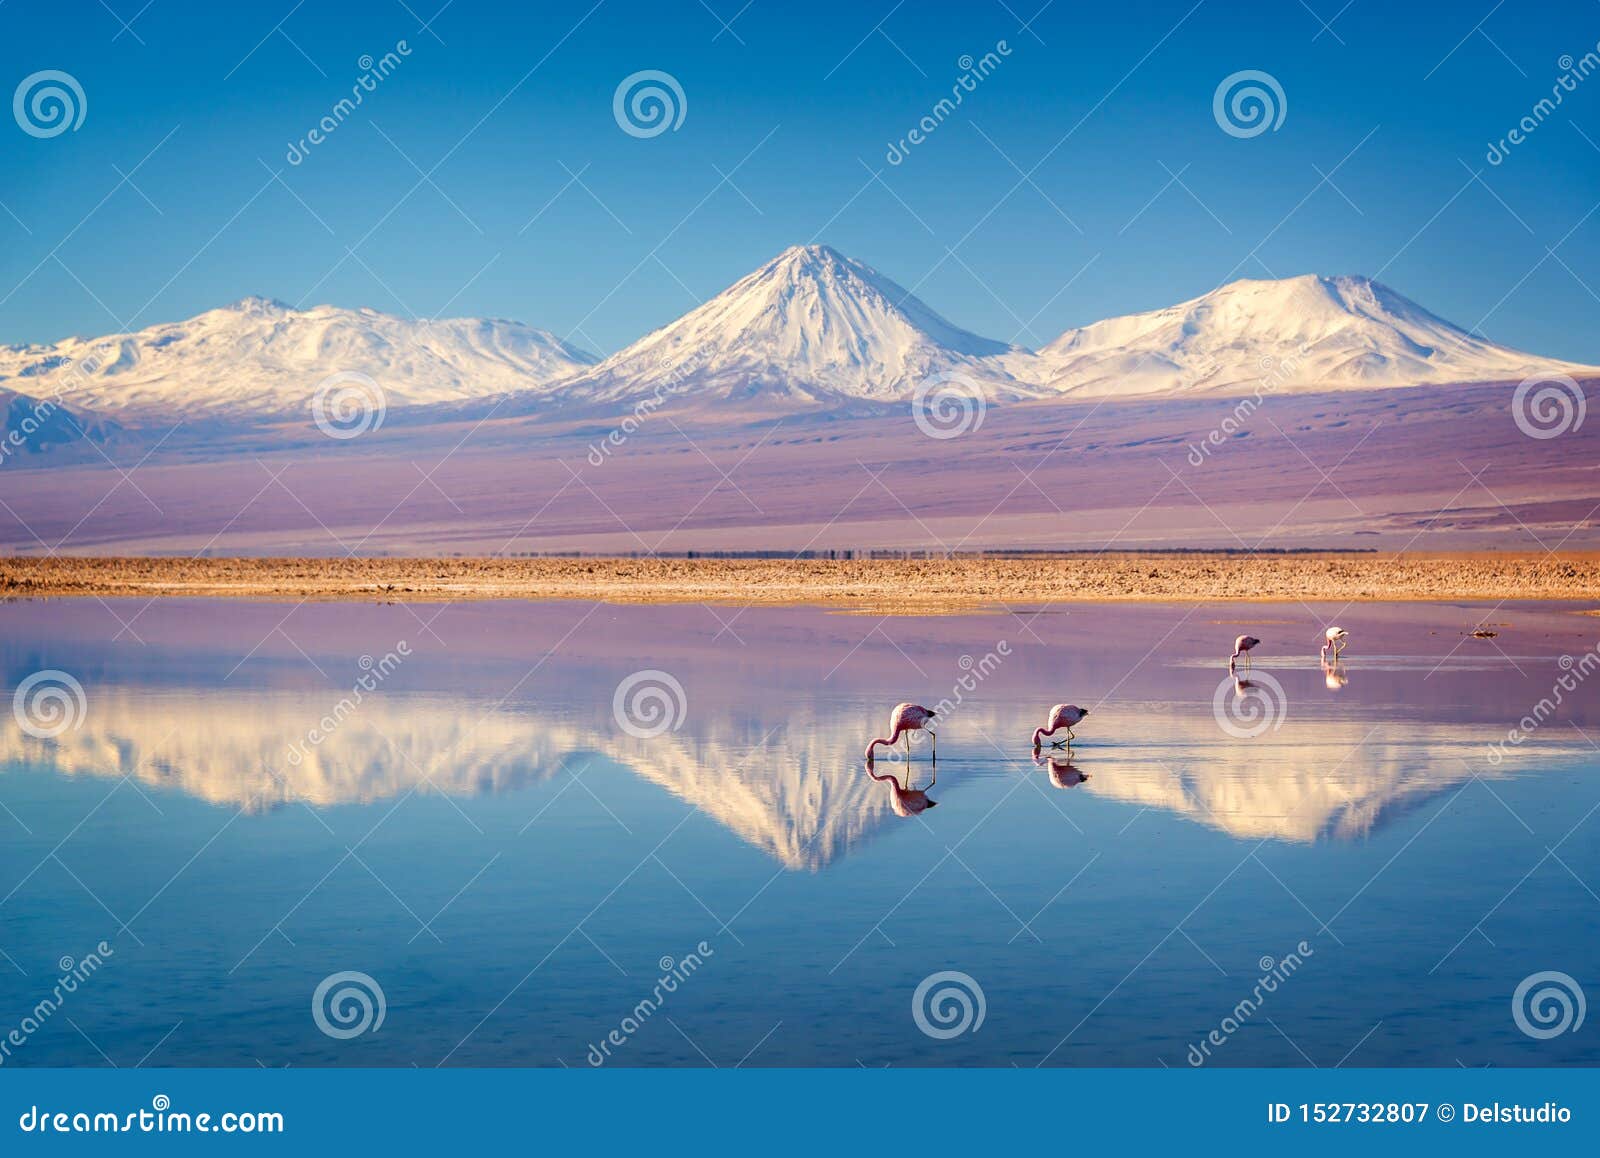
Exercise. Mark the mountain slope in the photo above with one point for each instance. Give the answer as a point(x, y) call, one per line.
point(1307, 332)
point(259, 359)
point(29, 426)
point(809, 325)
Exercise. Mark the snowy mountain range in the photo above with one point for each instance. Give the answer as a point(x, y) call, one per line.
point(809, 328)
point(261, 359)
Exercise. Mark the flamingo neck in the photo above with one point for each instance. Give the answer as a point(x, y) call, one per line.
point(1038, 734)
point(890, 741)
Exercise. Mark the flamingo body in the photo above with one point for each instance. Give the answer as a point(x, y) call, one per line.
point(903, 720)
point(1335, 638)
point(1061, 716)
point(1242, 646)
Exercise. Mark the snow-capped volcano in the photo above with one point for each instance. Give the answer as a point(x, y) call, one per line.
point(809, 328)
point(811, 324)
point(1298, 332)
point(259, 359)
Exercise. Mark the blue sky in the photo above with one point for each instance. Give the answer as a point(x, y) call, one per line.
point(502, 105)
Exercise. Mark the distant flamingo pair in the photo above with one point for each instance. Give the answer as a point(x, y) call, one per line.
point(907, 718)
point(1334, 639)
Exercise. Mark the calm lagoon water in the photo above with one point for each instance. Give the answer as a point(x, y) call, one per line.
point(517, 862)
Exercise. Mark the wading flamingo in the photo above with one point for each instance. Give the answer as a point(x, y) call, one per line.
point(907, 801)
point(1061, 716)
point(1242, 646)
point(903, 720)
point(1335, 638)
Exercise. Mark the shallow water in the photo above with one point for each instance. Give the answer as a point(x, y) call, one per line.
point(517, 870)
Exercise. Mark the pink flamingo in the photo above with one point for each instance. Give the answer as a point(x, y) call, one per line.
point(903, 720)
point(906, 801)
point(1334, 639)
point(1242, 646)
point(1061, 716)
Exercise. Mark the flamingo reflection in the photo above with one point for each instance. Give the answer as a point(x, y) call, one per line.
point(906, 800)
point(1333, 674)
point(1063, 772)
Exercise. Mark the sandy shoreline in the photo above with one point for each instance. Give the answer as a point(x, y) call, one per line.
point(920, 585)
